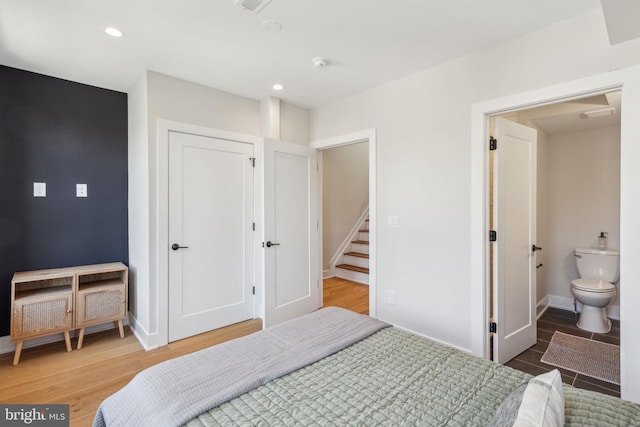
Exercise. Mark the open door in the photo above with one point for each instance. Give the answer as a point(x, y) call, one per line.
point(514, 260)
point(291, 250)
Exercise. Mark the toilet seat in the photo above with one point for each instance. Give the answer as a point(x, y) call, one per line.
point(592, 285)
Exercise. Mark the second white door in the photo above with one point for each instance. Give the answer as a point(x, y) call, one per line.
point(291, 247)
point(211, 237)
point(514, 259)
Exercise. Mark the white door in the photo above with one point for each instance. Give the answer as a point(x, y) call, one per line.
point(514, 257)
point(211, 249)
point(291, 263)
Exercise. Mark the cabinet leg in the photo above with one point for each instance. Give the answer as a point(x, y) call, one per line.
point(120, 328)
point(80, 338)
point(16, 357)
point(67, 340)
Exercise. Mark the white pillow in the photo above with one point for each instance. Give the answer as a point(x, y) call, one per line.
point(539, 404)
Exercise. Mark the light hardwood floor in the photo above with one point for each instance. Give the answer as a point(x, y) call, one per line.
point(83, 378)
point(346, 294)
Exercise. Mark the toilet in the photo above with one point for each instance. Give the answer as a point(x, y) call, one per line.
point(598, 270)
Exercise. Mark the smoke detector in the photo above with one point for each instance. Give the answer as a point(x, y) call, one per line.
point(255, 6)
point(320, 62)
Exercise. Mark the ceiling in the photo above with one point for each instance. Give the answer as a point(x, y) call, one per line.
point(218, 44)
point(592, 112)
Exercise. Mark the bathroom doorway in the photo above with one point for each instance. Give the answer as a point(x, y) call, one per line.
point(577, 197)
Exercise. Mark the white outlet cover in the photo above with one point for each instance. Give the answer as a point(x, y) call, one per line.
point(81, 190)
point(39, 189)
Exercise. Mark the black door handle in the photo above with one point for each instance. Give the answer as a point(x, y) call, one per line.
point(535, 248)
point(269, 244)
point(176, 246)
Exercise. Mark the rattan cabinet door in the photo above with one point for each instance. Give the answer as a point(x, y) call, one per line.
point(42, 313)
point(99, 304)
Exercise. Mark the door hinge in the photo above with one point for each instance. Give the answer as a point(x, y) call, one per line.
point(254, 290)
point(493, 236)
point(254, 226)
point(493, 143)
point(493, 327)
point(253, 161)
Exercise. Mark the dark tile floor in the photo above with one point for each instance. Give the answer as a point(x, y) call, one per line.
point(553, 320)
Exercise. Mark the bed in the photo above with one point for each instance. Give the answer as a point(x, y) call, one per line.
point(336, 367)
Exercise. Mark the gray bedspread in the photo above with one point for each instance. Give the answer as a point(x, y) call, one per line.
point(173, 392)
point(394, 378)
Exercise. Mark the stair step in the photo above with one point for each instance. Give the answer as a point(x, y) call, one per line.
point(363, 231)
point(361, 242)
point(357, 254)
point(353, 268)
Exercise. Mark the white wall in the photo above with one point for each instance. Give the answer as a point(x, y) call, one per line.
point(157, 96)
point(584, 199)
point(294, 126)
point(138, 157)
point(345, 194)
point(423, 126)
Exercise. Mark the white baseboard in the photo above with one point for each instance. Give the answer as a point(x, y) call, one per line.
point(6, 346)
point(566, 303)
point(464, 350)
point(327, 274)
point(542, 306)
point(147, 340)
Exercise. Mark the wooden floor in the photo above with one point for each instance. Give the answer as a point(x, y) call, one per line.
point(346, 294)
point(553, 320)
point(84, 378)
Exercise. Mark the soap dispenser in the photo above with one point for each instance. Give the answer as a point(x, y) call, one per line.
point(602, 241)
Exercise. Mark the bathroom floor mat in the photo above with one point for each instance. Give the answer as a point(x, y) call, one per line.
point(587, 357)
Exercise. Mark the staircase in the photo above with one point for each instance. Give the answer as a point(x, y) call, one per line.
point(354, 262)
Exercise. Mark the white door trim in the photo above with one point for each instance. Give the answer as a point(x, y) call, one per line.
point(368, 135)
point(627, 80)
point(161, 249)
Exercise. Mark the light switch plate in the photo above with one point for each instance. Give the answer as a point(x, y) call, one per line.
point(39, 189)
point(393, 221)
point(81, 190)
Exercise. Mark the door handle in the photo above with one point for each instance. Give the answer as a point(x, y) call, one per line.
point(535, 248)
point(176, 246)
point(269, 244)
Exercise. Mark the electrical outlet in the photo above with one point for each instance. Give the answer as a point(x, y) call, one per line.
point(391, 297)
point(81, 190)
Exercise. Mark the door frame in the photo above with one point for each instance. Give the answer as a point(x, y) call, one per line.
point(628, 81)
point(162, 230)
point(367, 135)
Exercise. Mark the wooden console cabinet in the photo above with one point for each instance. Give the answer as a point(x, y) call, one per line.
point(46, 302)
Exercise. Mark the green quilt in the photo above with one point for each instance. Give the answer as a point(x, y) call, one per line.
point(395, 378)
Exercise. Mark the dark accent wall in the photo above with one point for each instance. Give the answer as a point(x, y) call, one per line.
point(62, 133)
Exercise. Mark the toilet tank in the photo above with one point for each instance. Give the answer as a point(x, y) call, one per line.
point(598, 264)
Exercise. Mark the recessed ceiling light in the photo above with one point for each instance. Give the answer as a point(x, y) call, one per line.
point(278, 86)
point(114, 32)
